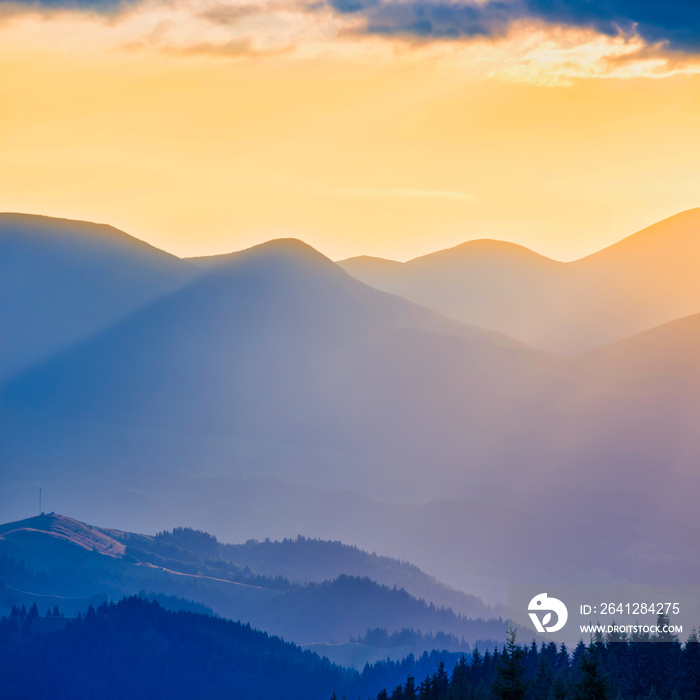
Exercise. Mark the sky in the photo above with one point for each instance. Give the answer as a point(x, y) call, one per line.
point(389, 128)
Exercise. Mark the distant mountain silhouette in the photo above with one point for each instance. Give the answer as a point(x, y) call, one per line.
point(277, 395)
point(247, 365)
point(60, 559)
point(655, 272)
point(61, 281)
point(648, 278)
point(314, 560)
point(137, 649)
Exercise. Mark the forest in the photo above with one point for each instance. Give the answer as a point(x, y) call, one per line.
point(635, 668)
point(136, 648)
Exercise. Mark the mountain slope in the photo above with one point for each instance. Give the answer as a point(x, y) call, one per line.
point(62, 280)
point(50, 556)
point(648, 278)
point(501, 286)
point(66, 529)
point(164, 653)
point(137, 649)
point(314, 560)
point(251, 364)
point(279, 366)
point(656, 269)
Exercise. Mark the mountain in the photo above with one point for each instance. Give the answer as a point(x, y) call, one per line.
point(274, 395)
point(165, 653)
point(247, 366)
point(179, 654)
point(501, 286)
point(307, 560)
point(51, 558)
point(657, 270)
point(61, 281)
point(647, 279)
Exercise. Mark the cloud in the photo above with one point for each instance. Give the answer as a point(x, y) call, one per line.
point(100, 6)
point(547, 42)
point(403, 193)
point(676, 23)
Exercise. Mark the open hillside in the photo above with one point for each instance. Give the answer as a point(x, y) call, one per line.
point(52, 559)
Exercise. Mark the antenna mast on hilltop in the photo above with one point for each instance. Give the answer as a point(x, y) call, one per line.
point(40, 511)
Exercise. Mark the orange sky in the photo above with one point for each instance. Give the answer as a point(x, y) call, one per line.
point(202, 139)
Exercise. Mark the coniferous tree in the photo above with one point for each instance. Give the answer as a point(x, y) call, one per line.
point(397, 694)
point(543, 678)
point(592, 684)
point(460, 688)
point(689, 678)
point(409, 690)
point(653, 695)
point(510, 683)
point(558, 691)
point(440, 683)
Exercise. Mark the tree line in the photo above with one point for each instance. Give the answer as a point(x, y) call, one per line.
point(640, 667)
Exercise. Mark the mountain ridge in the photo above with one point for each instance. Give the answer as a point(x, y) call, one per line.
point(643, 280)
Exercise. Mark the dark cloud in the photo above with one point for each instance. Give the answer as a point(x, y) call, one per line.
point(348, 6)
point(440, 19)
point(674, 22)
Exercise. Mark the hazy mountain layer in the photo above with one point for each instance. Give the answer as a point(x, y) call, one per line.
point(647, 279)
point(61, 281)
point(51, 556)
point(176, 655)
point(274, 363)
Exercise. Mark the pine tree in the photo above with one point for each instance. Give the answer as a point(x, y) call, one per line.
point(510, 683)
point(409, 690)
point(690, 677)
point(558, 691)
point(592, 684)
point(460, 688)
point(544, 676)
point(440, 683)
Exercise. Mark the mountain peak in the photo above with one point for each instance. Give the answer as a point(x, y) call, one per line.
point(48, 230)
point(481, 248)
point(277, 248)
point(64, 528)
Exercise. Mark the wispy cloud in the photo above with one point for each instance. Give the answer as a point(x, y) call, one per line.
point(406, 193)
point(541, 41)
